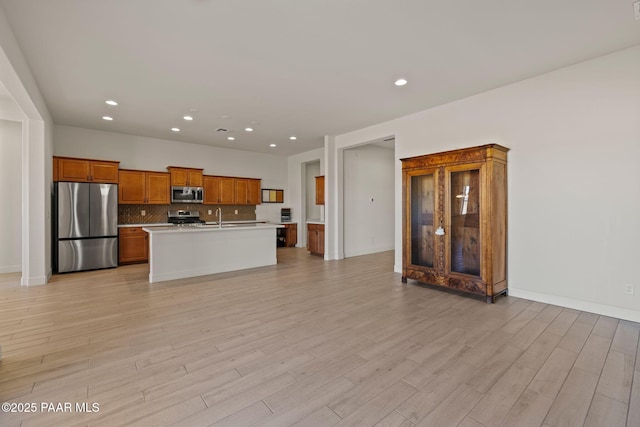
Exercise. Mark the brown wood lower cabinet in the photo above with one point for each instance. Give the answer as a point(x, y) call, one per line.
point(133, 245)
point(315, 239)
point(290, 235)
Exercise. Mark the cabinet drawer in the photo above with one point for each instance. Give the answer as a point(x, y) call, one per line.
point(131, 230)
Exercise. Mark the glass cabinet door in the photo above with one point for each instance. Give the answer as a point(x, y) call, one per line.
point(422, 213)
point(465, 222)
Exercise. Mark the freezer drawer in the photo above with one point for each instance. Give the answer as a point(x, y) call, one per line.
point(87, 254)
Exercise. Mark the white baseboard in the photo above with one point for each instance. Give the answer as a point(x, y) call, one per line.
point(602, 309)
point(10, 269)
point(33, 281)
point(369, 250)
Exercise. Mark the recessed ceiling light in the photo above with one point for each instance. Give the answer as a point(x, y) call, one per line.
point(225, 116)
point(293, 138)
point(107, 118)
point(272, 145)
point(111, 102)
point(188, 118)
point(401, 82)
point(248, 129)
point(175, 129)
point(231, 138)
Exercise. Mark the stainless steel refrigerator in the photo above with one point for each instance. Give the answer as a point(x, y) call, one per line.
point(85, 226)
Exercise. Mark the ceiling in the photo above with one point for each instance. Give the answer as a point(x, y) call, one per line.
point(293, 67)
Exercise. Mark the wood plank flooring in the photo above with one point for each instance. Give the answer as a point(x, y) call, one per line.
point(306, 343)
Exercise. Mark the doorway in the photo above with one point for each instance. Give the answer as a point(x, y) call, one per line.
point(368, 198)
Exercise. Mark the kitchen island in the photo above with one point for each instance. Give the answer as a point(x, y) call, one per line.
point(180, 252)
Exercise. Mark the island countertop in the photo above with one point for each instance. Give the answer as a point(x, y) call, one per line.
point(208, 228)
point(177, 252)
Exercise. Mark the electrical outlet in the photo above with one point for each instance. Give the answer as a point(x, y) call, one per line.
point(628, 289)
point(236, 212)
point(209, 211)
point(143, 212)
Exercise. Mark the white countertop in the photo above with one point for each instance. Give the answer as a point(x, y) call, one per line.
point(208, 228)
point(314, 221)
point(167, 224)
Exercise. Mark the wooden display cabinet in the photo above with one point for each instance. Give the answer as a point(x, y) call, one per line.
point(455, 220)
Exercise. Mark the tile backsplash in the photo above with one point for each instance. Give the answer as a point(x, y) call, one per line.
point(132, 214)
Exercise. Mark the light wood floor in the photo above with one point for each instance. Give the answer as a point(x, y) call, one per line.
point(307, 343)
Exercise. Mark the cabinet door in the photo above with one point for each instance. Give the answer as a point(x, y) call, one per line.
point(131, 188)
point(157, 188)
point(422, 221)
point(179, 176)
point(320, 240)
point(75, 170)
point(194, 177)
point(465, 249)
point(319, 190)
point(292, 235)
point(133, 245)
point(106, 172)
point(253, 196)
point(211, 189)
point(227, 191)
point(312, 238)
point(242, 191)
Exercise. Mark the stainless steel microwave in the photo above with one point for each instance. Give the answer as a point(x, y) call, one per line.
point(186, 194)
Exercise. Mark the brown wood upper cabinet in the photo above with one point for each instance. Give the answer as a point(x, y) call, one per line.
point(85, 170)
point(185, 177)
point(454, 220)
point(319, 190)
point(143, 187)
point(247, 191)
point(226, 190)
point(219, 190)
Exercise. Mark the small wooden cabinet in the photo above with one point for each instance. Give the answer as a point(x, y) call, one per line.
point(289, 234)
point(455, 220)
point(133, 245)
point(185, 177)
point(143, 187)
point(219, 190)
point(315, 239)
point(319, 190)
point(247, 191)
point(226, 190)
point(85, 170)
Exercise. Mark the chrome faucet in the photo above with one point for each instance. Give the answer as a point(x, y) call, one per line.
point(219, 215)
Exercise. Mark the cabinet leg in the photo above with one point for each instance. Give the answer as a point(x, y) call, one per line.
point(490, 300)
point(404, 279)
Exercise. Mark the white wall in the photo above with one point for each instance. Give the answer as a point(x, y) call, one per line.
point(573, 195)
point(368, 225)
point(136, 152)
point(11, 195)
point(313, 211)
point(36, 149)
